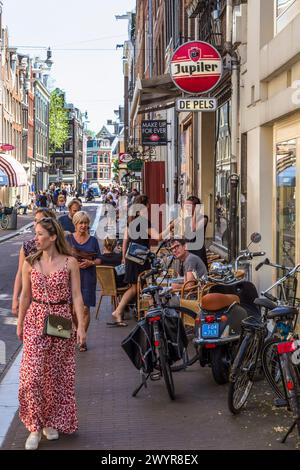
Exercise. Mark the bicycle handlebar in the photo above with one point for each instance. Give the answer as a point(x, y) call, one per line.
point(273, 265)
point(291, 273)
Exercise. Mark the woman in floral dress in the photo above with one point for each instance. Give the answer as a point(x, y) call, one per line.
point(50, 284)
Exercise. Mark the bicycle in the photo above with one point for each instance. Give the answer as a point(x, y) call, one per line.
point(259, 347)
point(289, 360)
point(4, 219)
point(163, 351)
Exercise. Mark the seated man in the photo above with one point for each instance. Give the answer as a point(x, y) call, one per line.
point(20, 205)
point(193, 266)
point(66, 221)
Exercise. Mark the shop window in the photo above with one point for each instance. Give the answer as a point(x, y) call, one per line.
point(286, 202)
point(285, 11)
point(222, 173)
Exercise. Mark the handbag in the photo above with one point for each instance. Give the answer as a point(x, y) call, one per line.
point(56, 325)
point(82, 255)
point(120, 270)
point(137, 253)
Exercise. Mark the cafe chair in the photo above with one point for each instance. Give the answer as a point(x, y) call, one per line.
point(143, 302)
point(107, 282)
point(191, 290)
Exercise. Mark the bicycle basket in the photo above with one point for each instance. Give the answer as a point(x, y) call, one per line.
point(138, 347)
point(175, 334)
point(8, 210)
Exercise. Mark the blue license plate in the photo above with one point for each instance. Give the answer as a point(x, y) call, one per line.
point(210, 330)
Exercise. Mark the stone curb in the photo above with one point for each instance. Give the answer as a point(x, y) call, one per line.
point(16, 233)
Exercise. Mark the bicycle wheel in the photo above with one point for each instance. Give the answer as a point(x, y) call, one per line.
point(242, 372)
point(4, 222)
point(191, 352)
point(271, 367)
point(291, 384)
point(166, 369)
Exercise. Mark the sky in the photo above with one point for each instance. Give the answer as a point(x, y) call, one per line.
point(92, 79)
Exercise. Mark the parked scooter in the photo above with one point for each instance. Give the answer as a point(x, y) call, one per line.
point(229, 301)
point(89, 196)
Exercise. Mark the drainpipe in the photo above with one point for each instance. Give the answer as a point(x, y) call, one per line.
point(235, 103)
point(150, 15)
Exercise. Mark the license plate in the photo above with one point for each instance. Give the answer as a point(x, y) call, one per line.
point(210, 330)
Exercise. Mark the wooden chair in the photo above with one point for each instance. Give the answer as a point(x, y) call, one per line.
point(191, 290)
point(107, 281)
point(142, 304)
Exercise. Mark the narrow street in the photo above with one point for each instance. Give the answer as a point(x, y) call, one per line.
point(150, 123)
point(111, 419)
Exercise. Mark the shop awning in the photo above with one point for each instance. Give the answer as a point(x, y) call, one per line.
point(13, 170)
point(157, 93)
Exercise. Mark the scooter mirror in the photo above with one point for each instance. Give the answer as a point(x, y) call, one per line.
point(255, 237)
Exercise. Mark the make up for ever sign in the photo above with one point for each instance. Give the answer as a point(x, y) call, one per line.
point(154, 132)
point(196, 67)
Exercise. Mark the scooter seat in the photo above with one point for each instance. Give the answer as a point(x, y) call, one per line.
point(263, 302)
point(279, 313)
point(215, 302)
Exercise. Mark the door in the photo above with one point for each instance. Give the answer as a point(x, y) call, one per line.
point(155, 186)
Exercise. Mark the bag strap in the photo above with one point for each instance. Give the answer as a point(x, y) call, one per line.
point(45, 288)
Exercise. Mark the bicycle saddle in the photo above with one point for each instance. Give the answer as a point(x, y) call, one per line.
point(282, 312)
point(263, 302)
point(152, 289)
point(215, 302)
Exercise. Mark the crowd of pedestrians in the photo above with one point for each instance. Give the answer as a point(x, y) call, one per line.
point(56, 284)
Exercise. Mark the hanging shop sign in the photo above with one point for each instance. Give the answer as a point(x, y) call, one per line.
point(195, 104)
point(154, 133)
point(135, 165)
point(196, 67)
point(7, 147)
point(125, 158)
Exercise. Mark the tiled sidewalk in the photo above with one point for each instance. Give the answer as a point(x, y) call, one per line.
point(110, 419)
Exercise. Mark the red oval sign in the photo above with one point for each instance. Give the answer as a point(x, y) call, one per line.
point(196, 67)
point(7, 147)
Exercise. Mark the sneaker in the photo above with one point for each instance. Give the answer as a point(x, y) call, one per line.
point(51, 434)
point(33, 440)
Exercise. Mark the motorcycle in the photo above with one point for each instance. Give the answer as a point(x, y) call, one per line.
point(229, 300)
point(89, 197)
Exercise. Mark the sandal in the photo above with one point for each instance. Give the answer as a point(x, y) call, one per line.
point(83, 347)
point(117, 323)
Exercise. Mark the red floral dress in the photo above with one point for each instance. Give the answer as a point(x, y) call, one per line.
point(47, 375)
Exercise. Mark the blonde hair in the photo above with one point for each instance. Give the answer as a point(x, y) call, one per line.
point(110, 244)
point(81, 216)
point(53, 228)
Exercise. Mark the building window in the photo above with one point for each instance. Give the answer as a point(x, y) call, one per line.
point(58, 163)
point(95, 159)
point(69, 167)
point(285, 11)
point(286, 202)
point(69, 146)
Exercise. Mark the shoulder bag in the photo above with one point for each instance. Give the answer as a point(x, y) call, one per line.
point(56, 325)
point(137, 253)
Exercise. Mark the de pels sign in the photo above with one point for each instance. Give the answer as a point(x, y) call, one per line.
point(196, 67)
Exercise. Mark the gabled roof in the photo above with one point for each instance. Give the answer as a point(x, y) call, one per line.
point(104, 134)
